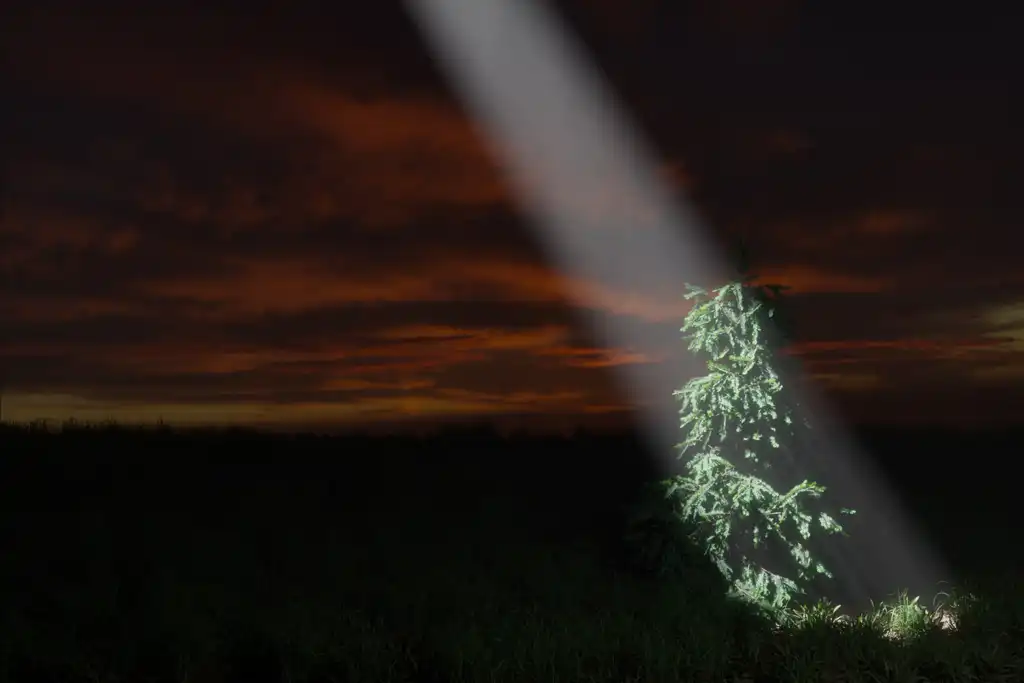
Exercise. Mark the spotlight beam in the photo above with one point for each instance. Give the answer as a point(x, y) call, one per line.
point(579, 168)
point(589, 183)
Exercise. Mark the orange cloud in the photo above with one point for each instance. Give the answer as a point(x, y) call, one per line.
point(802, 279)
point(57, 408)
point(487, 338)
point(378, 160)
point(918, 345)
point(288, 286)
point(890, 222)
point(41, 229)
point(786, 142)
point(597, 357)
point(606, 409)
point(535, 282)
point(848, 381)
point(385, 158)
point(356, 384)
point(279, 285)
point(400, 154)
point(65, 310)
point(530, 400)
point(831, 233)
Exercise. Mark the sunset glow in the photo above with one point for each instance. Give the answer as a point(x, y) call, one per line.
point(241, 226)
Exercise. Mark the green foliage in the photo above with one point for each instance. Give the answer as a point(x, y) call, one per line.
point(740, 425)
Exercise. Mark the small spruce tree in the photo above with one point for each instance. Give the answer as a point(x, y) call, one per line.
point(741, 426)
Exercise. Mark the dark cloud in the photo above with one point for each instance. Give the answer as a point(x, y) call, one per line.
point(282, 214)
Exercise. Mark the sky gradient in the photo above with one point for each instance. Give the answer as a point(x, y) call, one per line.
point(281, 215)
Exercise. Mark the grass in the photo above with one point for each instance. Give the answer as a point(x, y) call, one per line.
point(302, 599)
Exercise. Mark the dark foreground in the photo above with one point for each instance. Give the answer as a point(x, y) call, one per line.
point(163, 556)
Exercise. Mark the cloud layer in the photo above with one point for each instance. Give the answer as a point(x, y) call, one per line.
point(237, 219)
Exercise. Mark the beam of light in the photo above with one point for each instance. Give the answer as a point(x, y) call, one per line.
point(608, 216)
point(587, 181)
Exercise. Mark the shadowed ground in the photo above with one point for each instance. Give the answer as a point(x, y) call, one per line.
point(255, 549)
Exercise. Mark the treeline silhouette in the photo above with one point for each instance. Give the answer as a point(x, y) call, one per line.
point(958, 482)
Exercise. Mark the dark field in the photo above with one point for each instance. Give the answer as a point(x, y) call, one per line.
point(148, 555)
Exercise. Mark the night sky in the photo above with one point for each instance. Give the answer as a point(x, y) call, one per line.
point(282, 215)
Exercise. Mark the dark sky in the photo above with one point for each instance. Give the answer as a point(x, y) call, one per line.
point(281, 214)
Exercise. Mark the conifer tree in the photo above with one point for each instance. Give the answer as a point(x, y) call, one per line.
point(741, 426)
